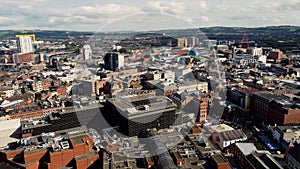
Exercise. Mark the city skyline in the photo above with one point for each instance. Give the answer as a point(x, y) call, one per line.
point(149, 84)
point(94, 15)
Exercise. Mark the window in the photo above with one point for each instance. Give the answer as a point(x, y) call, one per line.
point(218, 139)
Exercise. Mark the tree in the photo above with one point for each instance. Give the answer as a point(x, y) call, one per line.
point(123, 50)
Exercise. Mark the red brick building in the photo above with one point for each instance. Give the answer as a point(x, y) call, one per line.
point(61, 91)
point(28, 97)
point(46, 84)
point(56, 83)
point(177, 158)
point(5, 60)
point(44, 94)
point(274, 109)
point(276, 55)
point(204, 106)
point(219, 161)
point(193, 104)
point(23, 57)
point(79, 155)
point(241, 151)
point(181, 53)
point(100, 86)
point(25, 113)
point(200, 104)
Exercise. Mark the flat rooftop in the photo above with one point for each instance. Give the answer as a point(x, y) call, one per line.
point(124, 162)
point(285, 101)
point(33, 150)
point(77, 139)
point(86, 156)
point(275, 97)
point(219, 158)
point(84, 112)
point(221, 128)
point(6, 137)
point(195, 138)
point(130, 107)
point(246, 148)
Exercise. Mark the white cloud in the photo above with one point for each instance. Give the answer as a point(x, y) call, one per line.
point(276, 20)
point(71, 19)
point(109, 9)
point(168, 7)
point(188, 19)
point(97, 15)
point(89, 14)
point(204, 18)
point(4, 19)
point(292, 2)
point(202, 5)
point(25, 7)
point(16, 2)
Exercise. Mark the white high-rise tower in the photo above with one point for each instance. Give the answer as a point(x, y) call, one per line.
point(25, 44)
point(87, 52)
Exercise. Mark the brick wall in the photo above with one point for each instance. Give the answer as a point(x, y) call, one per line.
point(293, 116)
point(56, 159)
point(82, 163)
point(28, 114)
point(67, 157)
point(24, 57)
point(79, 149)
point(34, 165)
point(275, 55)
point(28, 158)
point(10, 154)
point(46, 85)
point(92, 159)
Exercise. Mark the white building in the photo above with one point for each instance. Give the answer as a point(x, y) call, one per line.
point(257, 51)
point(68, 78)
point(42, 57)
point(262, 59)
point(39, 43)
point(117, 47)
point(192, 85)
point(8, 91)
point(25, 44)
point(37, 86)
point(224, 135)
point(167, 75)
point(87, 52)
point(192, 41)
point(157, 75)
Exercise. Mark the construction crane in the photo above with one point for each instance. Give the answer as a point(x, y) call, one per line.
point(246, 40)
point(249, 51)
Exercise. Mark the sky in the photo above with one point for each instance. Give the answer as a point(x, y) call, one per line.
point(118, 15)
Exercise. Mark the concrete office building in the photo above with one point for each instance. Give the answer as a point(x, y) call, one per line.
point(136, 114)
point(113, 61)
